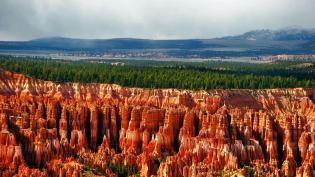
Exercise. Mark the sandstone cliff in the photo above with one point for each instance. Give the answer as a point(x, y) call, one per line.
point(53, 129)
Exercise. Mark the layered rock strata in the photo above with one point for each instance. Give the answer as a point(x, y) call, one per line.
point(50, 129)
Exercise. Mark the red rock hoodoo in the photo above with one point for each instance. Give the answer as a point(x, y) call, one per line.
point(53, 129)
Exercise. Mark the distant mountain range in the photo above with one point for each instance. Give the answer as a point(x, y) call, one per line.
point(252, 43)
point(277, 35)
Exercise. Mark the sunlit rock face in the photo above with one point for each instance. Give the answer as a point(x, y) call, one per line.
point(50, 129)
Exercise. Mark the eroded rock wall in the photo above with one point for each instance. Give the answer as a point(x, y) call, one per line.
point(50, 129)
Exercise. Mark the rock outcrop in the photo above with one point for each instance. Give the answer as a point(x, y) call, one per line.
point(73, 129)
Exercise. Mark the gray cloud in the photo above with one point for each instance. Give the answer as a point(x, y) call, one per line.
point(156, 19)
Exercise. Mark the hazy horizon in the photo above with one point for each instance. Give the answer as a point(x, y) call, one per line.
point(148, 19)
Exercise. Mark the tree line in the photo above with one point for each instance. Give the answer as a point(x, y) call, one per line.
point(150, 76)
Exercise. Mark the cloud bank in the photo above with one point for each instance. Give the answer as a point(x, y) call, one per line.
point(154, 19)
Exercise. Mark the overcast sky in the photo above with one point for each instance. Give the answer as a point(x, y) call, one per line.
point(154, 19)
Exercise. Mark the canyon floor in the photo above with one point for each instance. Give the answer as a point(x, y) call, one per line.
point(73, 129)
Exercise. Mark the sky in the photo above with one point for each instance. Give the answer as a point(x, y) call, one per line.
point(151, 19)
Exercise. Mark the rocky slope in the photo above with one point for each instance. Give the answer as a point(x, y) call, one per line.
point(73, 129)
